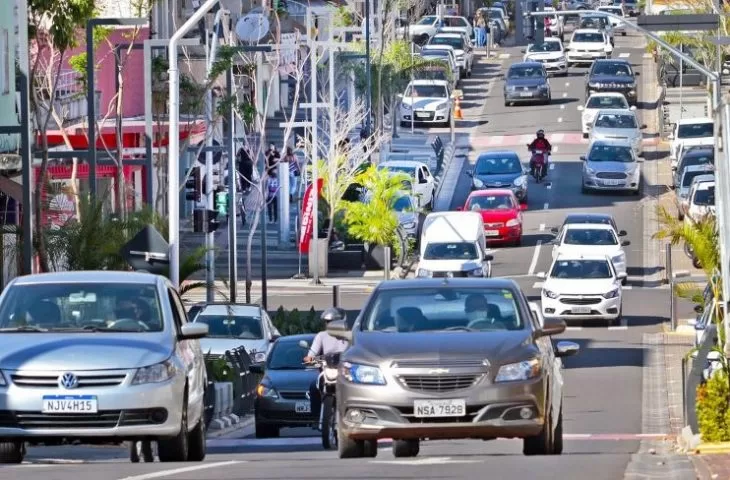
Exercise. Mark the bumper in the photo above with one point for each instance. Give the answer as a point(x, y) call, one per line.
point(520, 192)
point(628, 184)
point(372, 412)
point(630, 94)
point(503, 235)
point(421, 116)
point(587, 57)
point(283, 412)
point(124, 411)
point(556, 67)
point(527, 96)
point(605, 309)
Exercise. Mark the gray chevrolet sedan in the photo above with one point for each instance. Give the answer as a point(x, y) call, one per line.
point(449, 359)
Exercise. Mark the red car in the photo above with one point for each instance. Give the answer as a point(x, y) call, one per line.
point(502, 214)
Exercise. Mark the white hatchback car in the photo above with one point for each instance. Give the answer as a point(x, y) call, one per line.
point(582, 287)
point(591, 239)
point(587, 45)
point(461, 44)
point(601, 101)
point(550, 53)
point(423, 183)
point(618, 124)
point(426, 101)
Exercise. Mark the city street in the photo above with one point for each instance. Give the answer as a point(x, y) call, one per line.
point(604, 390)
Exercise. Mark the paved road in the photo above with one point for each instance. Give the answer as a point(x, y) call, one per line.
point(603, 393)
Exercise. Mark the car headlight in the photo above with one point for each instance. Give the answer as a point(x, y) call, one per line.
point(265, 391)
point(549, 294)
point(405, 106)
point(544, 86)
point(632, 92)
point(362, 374)
point(423, 273)
point(590, 171)
point(477, 272)
point(519, 371)
point(409, 225)
point(258, 357)
point(158, 373)
point(512, 223)
point(520, 181)
point(511, 88)
point(3, 383)
point(612, 294)
point(442, 105)
point(478, 183)
point(594, 85)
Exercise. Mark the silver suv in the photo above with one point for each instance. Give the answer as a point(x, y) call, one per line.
point(449, 359)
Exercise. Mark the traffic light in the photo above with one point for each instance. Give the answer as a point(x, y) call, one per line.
point(199, 220)
point(194, 185)
point(221, 202)
point(213, 222)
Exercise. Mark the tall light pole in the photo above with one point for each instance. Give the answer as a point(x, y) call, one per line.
point(368, 75)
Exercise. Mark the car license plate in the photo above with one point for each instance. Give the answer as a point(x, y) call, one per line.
point(439, 408)
point(422, 115)
point(581, 310)
point(525, 94)
point(70, 404)
point(303, 407)
point(613, 182)
point(491, 233)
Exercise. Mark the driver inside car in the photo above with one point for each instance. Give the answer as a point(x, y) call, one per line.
point(128, 312)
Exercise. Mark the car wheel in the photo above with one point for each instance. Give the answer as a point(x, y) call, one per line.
point(680, 216)
point(196, 442)
point(349, 448)
point(175, 449)
point(266, 431)
point(542, 443)
point(624, 281)
point(506, 103)
point(329, 423)
point(406, 448)
point(405, 124)
point(370, 448)
point(12, 452)
point(558, 435)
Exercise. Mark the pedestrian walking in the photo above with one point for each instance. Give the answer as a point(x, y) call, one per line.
point(272, 158)
point(481, 30)
point(245, 167)
point(295, 172)
point(272, 197)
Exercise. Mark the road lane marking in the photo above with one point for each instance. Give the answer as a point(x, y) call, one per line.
point(542, 227)
point(562, 107)
point(504, 56)
point(549, 186)
point(613, 436)
point(648, 55)
point(565, 94)
point(560, 119)
point(175, 471)
point(425, 461)
point(625, 55)
point(537, 285)
point(627, 287)
point(567, 84)
point(574, 329)
point(552, 165)
point(535, 256)
point(546, 206)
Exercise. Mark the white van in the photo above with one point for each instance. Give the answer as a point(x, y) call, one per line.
point(453, 245)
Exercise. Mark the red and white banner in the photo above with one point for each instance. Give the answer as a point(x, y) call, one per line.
point(308, 209)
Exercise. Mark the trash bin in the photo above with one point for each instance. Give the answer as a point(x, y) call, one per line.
point(321, 269)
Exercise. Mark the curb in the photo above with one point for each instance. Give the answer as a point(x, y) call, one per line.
point(712, 448)
point(448, 160)
point(232, 423)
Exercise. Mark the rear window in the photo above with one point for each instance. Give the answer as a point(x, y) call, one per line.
point(599, 102)
point(232, 326)
point(588, 37)
point(705, 197)
point(696, 130)
point(689, 176)
point(451, 251)
point(591, 237)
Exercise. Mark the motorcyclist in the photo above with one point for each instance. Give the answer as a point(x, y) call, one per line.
point(540, 143)
point(324, 344)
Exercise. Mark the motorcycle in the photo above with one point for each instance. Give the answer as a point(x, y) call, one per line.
point(538, 163)
point(327, 385)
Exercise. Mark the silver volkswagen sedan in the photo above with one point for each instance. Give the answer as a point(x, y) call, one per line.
point(98, 357)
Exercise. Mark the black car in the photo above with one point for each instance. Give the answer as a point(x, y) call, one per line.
point(526, 82)
point(590, 218)
point(282, 396)
point(612, 75)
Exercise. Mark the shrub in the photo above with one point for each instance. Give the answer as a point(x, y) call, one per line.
point(219, 370)
point(713, 412)
point(295, 322)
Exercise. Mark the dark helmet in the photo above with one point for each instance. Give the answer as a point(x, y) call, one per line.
point(540, 133)
point(332, 314)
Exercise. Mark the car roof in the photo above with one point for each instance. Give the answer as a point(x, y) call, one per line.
point(448, 34)
point(612, 60)
point(401, 163)
point(428, 47)
point(615, 142)
point(699, 168)
point(587, 226)
point(427, 81)
point(491, 191)
point(704, 184)
point(89, 276)
point(567, 255)
point(615, 111)
point(529, 63)
point(587, 30)
point(248, 310)
point(607, 94)
point(578, 217)
point(686, 121)
point(497, 153)
point(443, 282)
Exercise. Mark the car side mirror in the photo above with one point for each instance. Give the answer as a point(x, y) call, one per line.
point(523, 207)
point(622, 276)
point(489, 258)
point(256, 368)
point(338, 329)
point(541, 275)
point(637, 74)
point(699, 309)
point(622, 233)
point(552, 326)
point(625, 243)
point(566, 349)
point(583, 158)
point(674, 168)
point(274, 337)
point(303, 344)
point(192, 331)
point(459, 209)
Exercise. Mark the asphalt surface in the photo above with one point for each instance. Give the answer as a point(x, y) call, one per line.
point(603, 384)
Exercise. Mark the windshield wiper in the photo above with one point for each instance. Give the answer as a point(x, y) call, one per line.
point(23, 329)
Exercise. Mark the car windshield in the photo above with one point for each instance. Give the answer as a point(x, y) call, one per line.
point(398, 169)
point(590, 221)
point(592, 236)
point(689, 176)
point(599, 102)
point(525, 72)
point(614, 10)
point(490, 202)
point(451, 251)
point(403, 204)
point(610, 153)
point(575, 269)
point(435, 54)
point(81, 307)
point(232, 326)
point(464, 309)
point(705, 197)
point(456, 42)
point(611, 68)
point(497, 12)
point(690, 160)
point(696, 130)
point(432, 73)
point(592, 22)
point(427, 20)
point(544, 47)
point(494, 165)
point(587, 37)
point(426, 91)
point(614, 120)
point(287, 355)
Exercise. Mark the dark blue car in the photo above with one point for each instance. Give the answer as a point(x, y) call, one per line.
point(500, 169)
point(526, 82)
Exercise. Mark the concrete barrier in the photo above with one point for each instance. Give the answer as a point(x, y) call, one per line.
point(223, 416)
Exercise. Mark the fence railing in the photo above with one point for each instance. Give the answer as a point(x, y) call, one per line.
point(243, 392)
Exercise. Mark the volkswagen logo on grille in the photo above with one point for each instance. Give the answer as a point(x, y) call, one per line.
point(68, 381)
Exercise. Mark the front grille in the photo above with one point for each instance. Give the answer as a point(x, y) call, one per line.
point(34, 380)
point(455, 363)
point(453, 274)
point(289, 395)
point(102, 419)
point(438, 383)
point(494, 225)
point(612, 175)
point(580, 301)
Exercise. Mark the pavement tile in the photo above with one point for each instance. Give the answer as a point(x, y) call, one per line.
point(712, 467)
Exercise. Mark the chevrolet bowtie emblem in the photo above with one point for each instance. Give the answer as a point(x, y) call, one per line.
point(438, 370)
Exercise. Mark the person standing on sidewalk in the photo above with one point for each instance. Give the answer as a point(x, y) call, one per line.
point(272, 197)
point(245, 167)
point(272, 159)
point(294, 173)
point(481, 30)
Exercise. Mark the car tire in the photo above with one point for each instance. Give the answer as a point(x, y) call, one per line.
point(680, 216)
point(196, 442)
point(624, 281)
point(329, 423)
point(12, 452)
point(558, 435)
point(349, 448)
point(175, 449)
point(406, 448)
point(370, 448)
point(542, 443)
point(266, 430)
point(404, 124)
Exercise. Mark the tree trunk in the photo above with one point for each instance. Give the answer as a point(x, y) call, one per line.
point(40, 240)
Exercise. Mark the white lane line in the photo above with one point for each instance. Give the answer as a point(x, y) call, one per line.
point(567, 84)
point(565, 94)
point(562, 107)
point(175, 471)
point(504, 56)
point(552, 165)
point(542, 227)
point(560, 119)
point(648, 55)
point(538, 285)
point(624, 55)
point(549, 186)
point(535, 257)
point(624, 325)
point(574, 329)
point(627, 287)
point(546, 206)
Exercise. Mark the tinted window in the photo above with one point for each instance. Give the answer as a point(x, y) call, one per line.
point(73, 306)
point(432, 73)
point(427, 20)
point(691, 159)
point(454, 22)
point(427, 91)
point(287, 356)
point(696, 130)
point(581, 269)
point(688, 176)
point(587, 37)
point(607, 68)
point(612, 120)
point(456, 309)
point(599, 102)
point(705, 197)
point(525, 72)
point(544, 47)
point(610, 153)
point(498, 165)
point(399, 169)
point(595, 237)
point(403, 204)
point(490, 202)
point(451, 251)
point(590, 220)
point(455, 42)
point(232, 326)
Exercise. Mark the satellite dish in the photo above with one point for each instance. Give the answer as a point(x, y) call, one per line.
point(252, 28)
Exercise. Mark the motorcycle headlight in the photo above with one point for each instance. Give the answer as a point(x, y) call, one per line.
point(520, 181)
point(423, 273)
point(477, 272)
point(519, 371)
point(158, 373)
point(409, 225)
point(612, 294)
point(549, 293)
point(478, 183)
point(362, 374)
point(265, 391)
point(3, 383)
point(512, 223)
